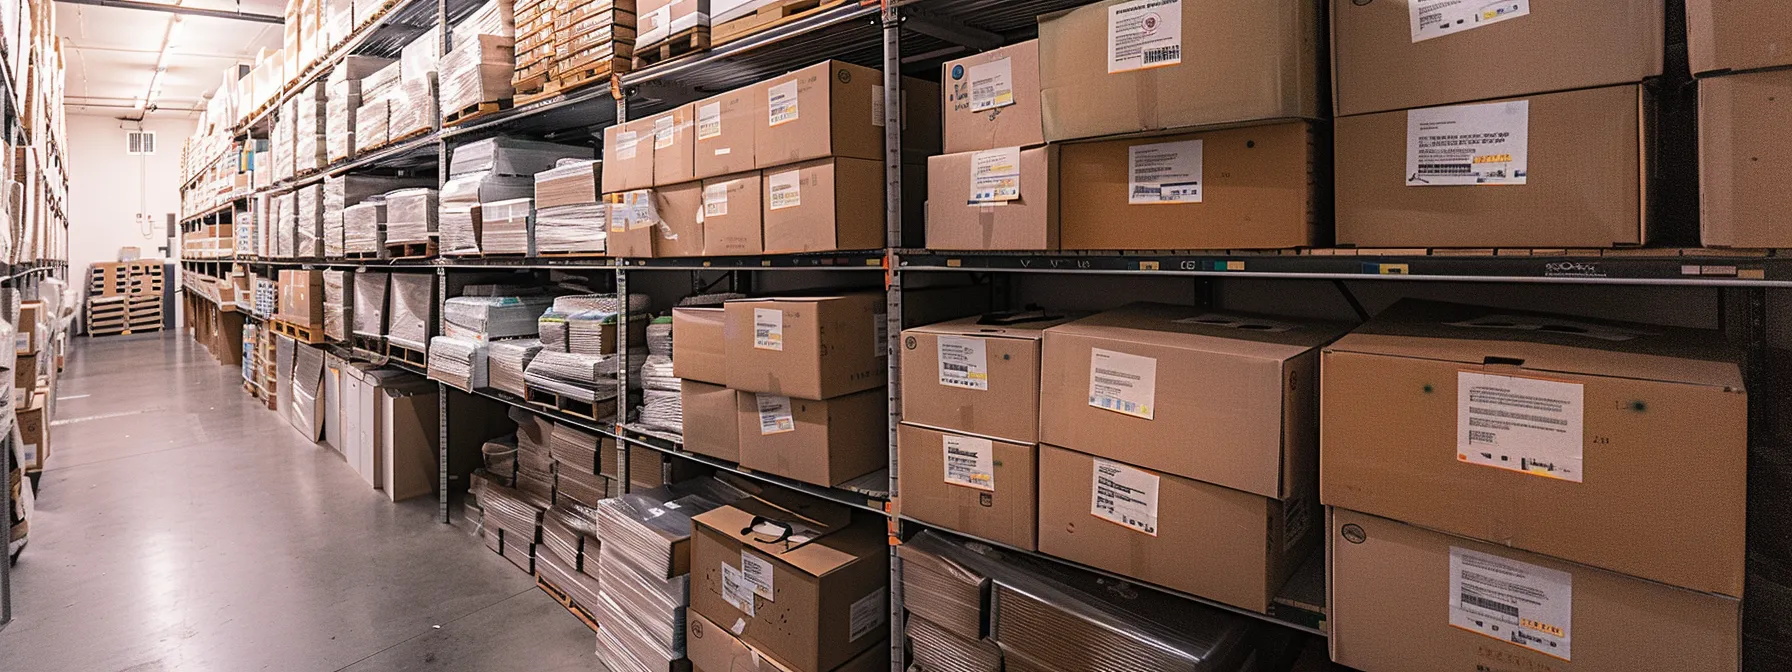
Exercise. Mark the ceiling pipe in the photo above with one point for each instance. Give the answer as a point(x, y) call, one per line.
point(176, 9)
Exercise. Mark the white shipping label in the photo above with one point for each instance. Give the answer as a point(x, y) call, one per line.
point(992, 84)
point(709, 121)
point(757, 572)
point(785, 190)
point(1512, 601)
point(970, 462)
point(736, 590)
point(995, 176)
point(1144, 34)
point(964, 362)
point(877, 107)
point(768, 329)
point(781, 104)
point(626, 144)
point(1126, 496)
point(1166, 172)
point(1528, 425)
point(1468, 144)
point(663, 131)
point(1437, 18)
point(774, 414)
point(1123, 383)
point(869, 613)
point(715, 199)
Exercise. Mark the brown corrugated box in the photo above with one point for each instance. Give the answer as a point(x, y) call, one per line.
point(1261, 194)
point(302, 298)
point(1225, 545)
point(838, 112)
point(1235, 400)
point(1590, 160)
point(956, 220)
point(1738, 34)
point(681, 209)
point(698, 352)
point(821, 591)
point(25, 340)
point(1629, 496)
point(1240, 62)
point(827, 442)
point(1391, 603)
point(726, 126)
point(674, 146)
point(711, 649)
point(628, 156)
point(999, 505)
point(806, 347)
point(733, 215)
point(824, 205)
point(992, 387)
point(710, 426)
point(1378, 66)
point(1743, 160)
point(1010, 120)
point(622, 241)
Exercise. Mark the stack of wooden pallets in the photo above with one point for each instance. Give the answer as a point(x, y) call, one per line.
point(567, 44)
point(124, 297)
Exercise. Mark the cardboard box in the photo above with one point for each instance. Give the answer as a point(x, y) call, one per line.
point(810, 606)
point(726, 127)
point(302, 298)
point(1599, 473)
point(836, 109)
point(628, 156)
point(1257, 433)
point(1397, 605)
point(1225, 545)
point(1738, 34)
point(806, 347)
point(824, 205)
point(992, 100)
point(711, 649)
point(1262, 194)
point(977, 375)
point(633, 227)
point(733, 215)
point(710, 426)
point(826, 442)
point(681, 211)
point(1229, 63)
point(981, 487)
point(661, 19)
point(1382, 62)
point(1743, 160)
point(1586, 173)
point(993, 200)
point(674, 146)
point(25, 336)
point(698, 350)
point(34, 432)
point(24, 377)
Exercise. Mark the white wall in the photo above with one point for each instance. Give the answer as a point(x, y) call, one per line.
point(109, 189)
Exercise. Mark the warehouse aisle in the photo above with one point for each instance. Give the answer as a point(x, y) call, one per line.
point(184, 527)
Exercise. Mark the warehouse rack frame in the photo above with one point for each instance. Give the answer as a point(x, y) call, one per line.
point(891, 34)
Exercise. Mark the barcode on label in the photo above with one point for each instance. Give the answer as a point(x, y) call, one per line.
point(1445, 169)
point(1114, 404)
point(1162, 54)
point(954, 367)
point(1484, 603)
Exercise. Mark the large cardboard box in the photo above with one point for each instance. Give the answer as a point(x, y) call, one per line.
point(698, 349)
point(628, 156)
point(1738, 34)
point(633, 227)
point(1262, 194)
point(710, 425)
point(981, 487)
point(836, 109)
point(824, 205)
point(1743, 160)
point(977, 375)
point(811, 603)
point(674, 146)
point(726, 127)
point(1588, 185)
point(26, 339)
point(681, 212)
point(1399, 55)
point(1570, 437)
point(302, 298)
point(827, 442)
point(1406, 599)
point(733, 216)
point(34, 432)
point(1125, 66)
point(1002, 199)
point(410, 427)
point(1225, 545)
point(1116, 385)
point(806, 347)
point(992, 99)
point(712, 649)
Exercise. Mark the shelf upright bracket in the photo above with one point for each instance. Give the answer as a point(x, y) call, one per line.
point(891, 17)
point(441, 409)
point(622, 355)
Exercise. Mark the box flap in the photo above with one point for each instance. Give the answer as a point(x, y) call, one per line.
point(1192, 328)
point(1027, 324)
point(782, 534)
point(1545, 342)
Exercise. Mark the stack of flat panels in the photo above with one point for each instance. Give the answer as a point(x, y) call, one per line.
point(570, 218)
point(644, 572)
point(506, 361)
point(489, 318)
point(410, 309)
point(411, 216)
point(462, 218)
point(460, 362)
point(512, 157)
point(587, 378)
point(508, 227)
point(580, 451)
point(369, 313)
point(364, 227)
point(339, 307)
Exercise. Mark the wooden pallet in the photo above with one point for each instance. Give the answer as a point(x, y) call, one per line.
point(571, 255)
point(359, 256)
point(413, 135)
point(768, 17)
point(565, 600)
point(302, 334)
point(478, 110)
point(414, 357)
point(572, 407)
point(423, 250)
point(687, 41)
point(374, 346)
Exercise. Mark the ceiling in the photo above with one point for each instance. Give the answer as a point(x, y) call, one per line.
point(111, 54)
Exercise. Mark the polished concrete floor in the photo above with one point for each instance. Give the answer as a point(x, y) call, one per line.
point(182, 526)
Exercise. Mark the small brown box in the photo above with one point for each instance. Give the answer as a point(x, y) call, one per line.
point(992, 99)
point(819, 111)
point(733, 216)
point(981, 487)
point(674, 146)
point(726, 128)
point(827, 442)
point(824, 205)
point(302, 298)
point(710, 425)
point(1738, 34)
point(959, 217)
point(628, 156)
point(806, 347)
point(975, 375)
point(698, 351)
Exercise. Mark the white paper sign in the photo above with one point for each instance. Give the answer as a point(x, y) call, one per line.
point(1437, 18)
point(1526, 425)
point(736, 590)
point(757, 572)
point(1165, 172)
point(663, 131)
point(1468, 144)
point(774, 414)
point(964, 363)
point(626, 144)
point(869, 613)
point(709, 120)
point(1126, 496)
point(785, 190)
point(1144, 34)
point(781, 103)
point(1512, 601)
point(715, 199)
point(768, 329)
point(995, 176)
point(1123, 383)
point(992, 84)
point(970, 462)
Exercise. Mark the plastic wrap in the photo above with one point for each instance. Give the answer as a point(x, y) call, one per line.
point(652, 639)
point(570, 182)
point(308, 223)
point(645, 533)
point(499, 457)
point(587, 378)
point(659, 337)
point(370, 303)
point(506, 361)
point(512, 157)
point(339, 304)
point(623, 647)
point(460, 227)
point(411, 216)
point(410, 309)
point(417, 60)
point(488, 318)
point(495, 17)
point(572, 229)
point(412, 110)
point(937, 650)
point(579, 450)
point(364, 227)
point(663, 410)
point(458, 362)
point(373, 122)
point(381, 82)
point(339, 119)
point(310, 107)
point(283, 226)
point(507, 227)
point(660, 601)
point(476, 71)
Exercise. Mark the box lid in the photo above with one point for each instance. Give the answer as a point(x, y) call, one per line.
point(1545, 342)
point(1191, 328)
point(788, 527)
point(1029, 324)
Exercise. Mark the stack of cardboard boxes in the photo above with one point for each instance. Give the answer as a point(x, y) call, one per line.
point(1738, 52)
point(33, 371)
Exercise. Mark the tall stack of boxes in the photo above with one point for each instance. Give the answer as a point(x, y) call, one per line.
point(1738, 53)
point(478, 69)
point(343, 90)
point(310, 114)
point(592, 39)
point(996, 185)
point(534, 45)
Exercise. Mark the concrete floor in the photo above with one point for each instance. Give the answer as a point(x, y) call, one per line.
point(182, 526)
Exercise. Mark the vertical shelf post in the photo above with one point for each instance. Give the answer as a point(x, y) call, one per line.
point(892, 121)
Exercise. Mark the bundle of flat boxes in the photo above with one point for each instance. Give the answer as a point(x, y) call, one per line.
point(570, 215)
point(793, 164)
point(496, 175)
point(592, 40)
point(344, 94)
point(477, 71)
point(534, 46)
